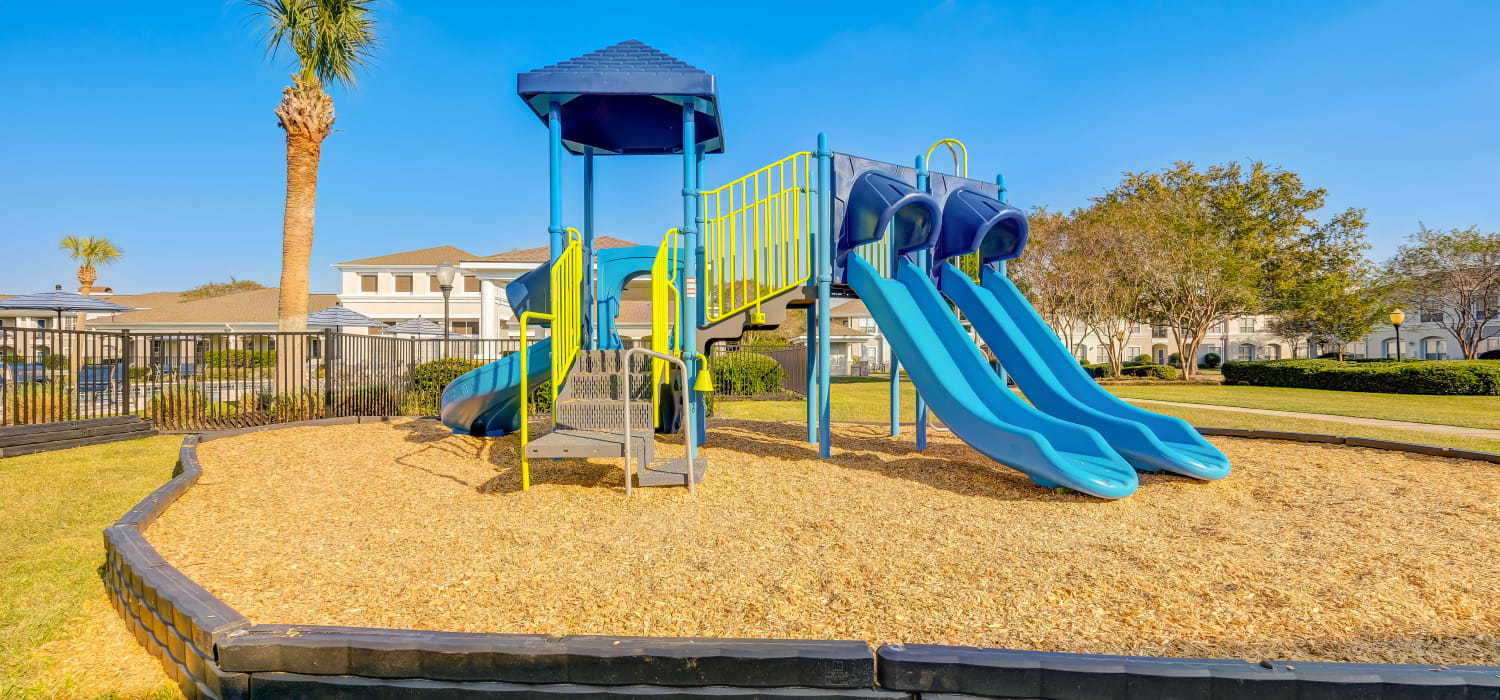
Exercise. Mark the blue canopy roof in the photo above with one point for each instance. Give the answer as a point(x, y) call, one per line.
point(59, 301)
point(627, 100)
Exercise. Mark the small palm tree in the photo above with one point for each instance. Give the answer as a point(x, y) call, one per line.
point(89, 251)
point(330, 39)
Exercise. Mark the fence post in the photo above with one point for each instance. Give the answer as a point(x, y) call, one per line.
point(127, 358)
point(328, 371)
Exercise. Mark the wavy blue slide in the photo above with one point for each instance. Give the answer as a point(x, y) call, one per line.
point(1055, 383)
point(964, 392)
point(487, 400)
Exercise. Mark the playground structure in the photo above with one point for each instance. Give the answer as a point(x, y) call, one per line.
point(792, 236)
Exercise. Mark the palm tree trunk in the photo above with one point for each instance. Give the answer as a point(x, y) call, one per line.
point(302, 154)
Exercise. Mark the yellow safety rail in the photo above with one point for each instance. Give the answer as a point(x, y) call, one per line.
point(878, 253)
point(664, 312)
point(756, 236)
point(567, 334)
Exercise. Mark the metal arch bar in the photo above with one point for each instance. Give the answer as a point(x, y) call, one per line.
point(961, 169)
point(687, 416)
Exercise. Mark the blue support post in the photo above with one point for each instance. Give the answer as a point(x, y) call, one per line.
point(554, 183)
point(690, 270)
point(825, 292)
point(895, 395)
point(591, 318)
point(1000, 267)
point(922, 261)
point(700, 409)
point(812, 366)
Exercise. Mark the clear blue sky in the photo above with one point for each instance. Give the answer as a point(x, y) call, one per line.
point(152, 124)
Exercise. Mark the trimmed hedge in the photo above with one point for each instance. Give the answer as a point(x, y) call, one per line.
point(746, 374)
point(1490, 355)
point(1133, 369)
point(238, 359)
point(430, 378)
point(1438, 377)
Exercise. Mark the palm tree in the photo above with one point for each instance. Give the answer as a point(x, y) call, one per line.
point(88, 251)
point(331, 39)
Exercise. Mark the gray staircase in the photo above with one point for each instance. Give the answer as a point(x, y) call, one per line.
point(590, 419)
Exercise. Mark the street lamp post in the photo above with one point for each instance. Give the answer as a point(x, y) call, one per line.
point(1396, 318)
point(445, 274)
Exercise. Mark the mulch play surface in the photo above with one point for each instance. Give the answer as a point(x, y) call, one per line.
point(1306, 552)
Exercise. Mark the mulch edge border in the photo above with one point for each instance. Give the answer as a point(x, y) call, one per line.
point(212, 651)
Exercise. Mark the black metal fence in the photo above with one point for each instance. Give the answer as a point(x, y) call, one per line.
point(198, 381)
point(791, 358)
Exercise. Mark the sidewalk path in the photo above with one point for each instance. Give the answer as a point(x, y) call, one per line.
point(1398, 424)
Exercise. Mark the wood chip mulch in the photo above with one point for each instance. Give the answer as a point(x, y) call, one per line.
point(1308, 552)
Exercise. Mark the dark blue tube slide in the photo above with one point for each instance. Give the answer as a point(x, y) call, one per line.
point(964, 392)
point(1054, 382)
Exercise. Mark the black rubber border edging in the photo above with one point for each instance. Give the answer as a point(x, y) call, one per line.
point(212, 651)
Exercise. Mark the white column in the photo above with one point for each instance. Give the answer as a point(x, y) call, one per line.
point(487, 309)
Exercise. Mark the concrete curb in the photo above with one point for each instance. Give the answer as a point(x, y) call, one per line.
point(212, 651)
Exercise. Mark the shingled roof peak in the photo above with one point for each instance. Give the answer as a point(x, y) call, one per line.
point(629, 56)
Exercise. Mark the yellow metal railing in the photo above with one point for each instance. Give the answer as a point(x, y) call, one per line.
point(664, 312)
point(566, 317)
point(960, 167)
point(756, 236)
point(878, 253)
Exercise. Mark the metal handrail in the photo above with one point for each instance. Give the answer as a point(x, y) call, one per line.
point(687, 415)
point(526, 396)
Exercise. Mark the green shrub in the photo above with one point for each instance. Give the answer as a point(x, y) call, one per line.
point(1143, 359)
point(12, 360)
point(1490, 355)
point(1439, 377)
point(239, 358)
point(746, 374)
point(36, 403)
point(1152, 372)
point(303, 405)
point(178, 406)
point(430, 378)
point(378, 400)
point(541, 398)
point(55, 362)
point(1211, 360)
point(1175, 359)
point(137, 373)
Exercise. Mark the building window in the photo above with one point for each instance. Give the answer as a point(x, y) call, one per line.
point(1131, 353)
point(367, 284)
point(1134, 328)
point(1429, 316)
point(468, 328)
point(1212, 349)
point(1246, 353)
point(1101, 356)
point(1156, 332)
point(403, 285)
point(1247, 325)
point(1390, 347)
point(1221, 328)
point(1434, 349)
point(433, 286)
point(471, 284)
point(1080, 351)
point(1355, 350)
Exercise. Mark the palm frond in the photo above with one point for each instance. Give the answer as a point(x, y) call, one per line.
point(332, 39)
point(90, 250)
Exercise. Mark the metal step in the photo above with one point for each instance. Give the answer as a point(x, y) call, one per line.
point(671, 471)
point(588, 444)
point(605, 415)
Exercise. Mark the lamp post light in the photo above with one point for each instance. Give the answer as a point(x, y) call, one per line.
point(1396, 318)
point(445, 275)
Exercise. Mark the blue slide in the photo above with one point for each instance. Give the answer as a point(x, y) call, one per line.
point(1055, 383)
point(487, 400)
point(964, 392)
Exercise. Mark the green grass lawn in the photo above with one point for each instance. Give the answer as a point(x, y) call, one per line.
point(1467, 411)
point(857, 399)
point(54, 505)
